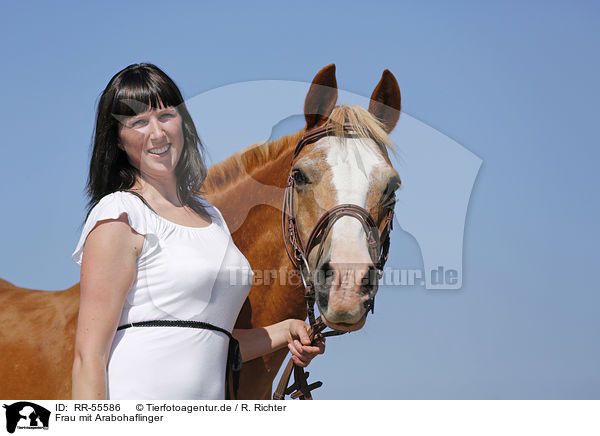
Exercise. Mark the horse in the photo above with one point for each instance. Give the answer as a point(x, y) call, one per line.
point(37, 328)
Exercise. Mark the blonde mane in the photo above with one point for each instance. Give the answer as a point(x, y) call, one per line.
point(362, 122)
point(257, 155)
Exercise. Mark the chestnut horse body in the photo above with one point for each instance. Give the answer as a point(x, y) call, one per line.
point(37, 328)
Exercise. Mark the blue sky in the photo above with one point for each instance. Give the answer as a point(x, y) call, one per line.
point(514, 83)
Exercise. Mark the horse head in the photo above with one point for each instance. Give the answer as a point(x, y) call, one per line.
point(348, 164)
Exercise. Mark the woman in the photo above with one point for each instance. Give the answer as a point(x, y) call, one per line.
point(153, 250)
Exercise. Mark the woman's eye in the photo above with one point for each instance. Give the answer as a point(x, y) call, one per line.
point(138, 123)
point(165, 117)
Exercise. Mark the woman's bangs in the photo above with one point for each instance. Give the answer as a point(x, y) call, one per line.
point(141, 95)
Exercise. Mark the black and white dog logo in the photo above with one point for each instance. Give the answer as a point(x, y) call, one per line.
point(26, 415)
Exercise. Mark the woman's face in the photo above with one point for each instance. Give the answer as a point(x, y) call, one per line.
point(153, 141)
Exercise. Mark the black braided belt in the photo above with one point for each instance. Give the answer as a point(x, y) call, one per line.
point(234, 355)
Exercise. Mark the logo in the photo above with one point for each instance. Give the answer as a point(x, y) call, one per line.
point(26, 415)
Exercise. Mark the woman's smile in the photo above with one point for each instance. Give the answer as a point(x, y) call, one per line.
point(160, 151)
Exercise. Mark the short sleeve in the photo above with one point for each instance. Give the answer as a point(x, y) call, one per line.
point(113, 206)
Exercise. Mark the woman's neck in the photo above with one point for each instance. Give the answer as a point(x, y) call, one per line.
point(157, 191)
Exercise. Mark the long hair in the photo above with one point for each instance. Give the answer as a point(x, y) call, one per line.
point(132, 90)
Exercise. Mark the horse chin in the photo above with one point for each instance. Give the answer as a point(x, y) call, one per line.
point(345, 327)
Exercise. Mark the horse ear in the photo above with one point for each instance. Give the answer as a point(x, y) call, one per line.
point(385, 101)
point(321, 97)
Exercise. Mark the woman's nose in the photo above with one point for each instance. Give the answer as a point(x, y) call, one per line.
point(156, 132)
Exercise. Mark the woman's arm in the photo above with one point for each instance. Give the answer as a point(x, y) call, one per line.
point(291, 332)
point(108, 269)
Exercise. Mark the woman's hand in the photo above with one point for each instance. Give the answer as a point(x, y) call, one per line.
point(299, 343)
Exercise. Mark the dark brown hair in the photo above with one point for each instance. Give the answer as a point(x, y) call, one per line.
point(132, 90)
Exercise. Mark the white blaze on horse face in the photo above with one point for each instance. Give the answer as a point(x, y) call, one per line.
point(354, 163)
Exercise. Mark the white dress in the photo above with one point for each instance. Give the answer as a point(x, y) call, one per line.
point(183, 273)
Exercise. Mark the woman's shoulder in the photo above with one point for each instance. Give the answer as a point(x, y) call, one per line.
point(113, 206)
point(213, 211)
point(116, 203)
point(117, 198)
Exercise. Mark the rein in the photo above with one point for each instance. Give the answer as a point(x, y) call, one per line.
point(378, 242)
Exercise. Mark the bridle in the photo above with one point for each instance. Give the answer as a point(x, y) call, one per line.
point(378, 242)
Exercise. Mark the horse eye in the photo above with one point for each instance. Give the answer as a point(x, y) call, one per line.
point(394, 184)
point(389, 194)
point(300, 178)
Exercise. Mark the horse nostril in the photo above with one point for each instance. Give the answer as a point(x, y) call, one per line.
point(323, 280)
point(369, 281)
point(323, 300)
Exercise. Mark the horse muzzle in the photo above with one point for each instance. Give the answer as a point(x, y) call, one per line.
point(344, 293)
